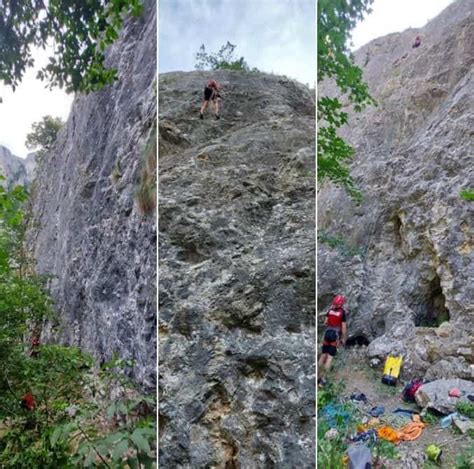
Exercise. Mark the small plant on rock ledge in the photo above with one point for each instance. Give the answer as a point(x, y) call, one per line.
point(145, 194)
point(338, 242)
point(467, 194)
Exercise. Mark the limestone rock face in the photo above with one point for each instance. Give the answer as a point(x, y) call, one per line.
point(92, 238)
point(236, 288)
point(411, 257)
point(16, 171)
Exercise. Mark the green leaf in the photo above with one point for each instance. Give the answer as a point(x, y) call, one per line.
point(139, 441)
point(120, 449)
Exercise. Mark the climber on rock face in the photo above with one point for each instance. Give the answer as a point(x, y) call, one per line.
point(417, 42)
point(211, 93)
point(335, 334)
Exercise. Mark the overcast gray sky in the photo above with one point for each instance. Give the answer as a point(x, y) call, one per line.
point(274, 36)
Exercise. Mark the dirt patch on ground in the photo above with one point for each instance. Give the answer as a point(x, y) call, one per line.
point(352, 369)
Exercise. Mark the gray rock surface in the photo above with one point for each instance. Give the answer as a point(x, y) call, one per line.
point(16, 171)
point(92, 238)
point(236, 286)
point(410, 265)
point(435, 395)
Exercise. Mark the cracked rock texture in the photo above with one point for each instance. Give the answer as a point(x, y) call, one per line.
point(236, 289)
point(91, 236)
point(410, 266)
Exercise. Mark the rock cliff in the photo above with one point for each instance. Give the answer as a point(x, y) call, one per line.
point(405, 256)
point(16, 171)
point(92, 200)
point(236, 285)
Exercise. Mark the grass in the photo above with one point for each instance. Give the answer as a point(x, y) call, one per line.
point(430, 418)
point(116, 172)
point(465, 460)
point(465, 408)
point(145, 193)
point(331, 452)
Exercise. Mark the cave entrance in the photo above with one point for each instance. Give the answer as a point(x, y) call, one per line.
point(359, 340)
point(434, 311)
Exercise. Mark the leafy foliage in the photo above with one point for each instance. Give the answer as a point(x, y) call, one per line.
point(465, 460)
point(222, 60)
point(43, 134)
point(335, 22)
point(80, 32)
point(77, 420)
point(465, 408)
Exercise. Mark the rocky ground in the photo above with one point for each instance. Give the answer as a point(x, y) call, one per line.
point(236, 287)
point(353, 370)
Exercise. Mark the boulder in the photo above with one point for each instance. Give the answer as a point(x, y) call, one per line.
point(435, 395)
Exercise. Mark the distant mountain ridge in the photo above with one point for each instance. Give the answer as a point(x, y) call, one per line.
point(16, 170)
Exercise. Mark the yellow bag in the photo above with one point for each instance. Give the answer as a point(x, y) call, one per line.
point(391, 370)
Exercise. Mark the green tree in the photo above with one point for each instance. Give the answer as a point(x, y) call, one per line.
point(80, 31)
point(336, 19)
point(222, 60)
point(43, 134)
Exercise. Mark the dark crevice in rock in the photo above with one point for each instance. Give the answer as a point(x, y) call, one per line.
point(359, 339)
point(397, 227)
point(191, 255)
point(433, 311)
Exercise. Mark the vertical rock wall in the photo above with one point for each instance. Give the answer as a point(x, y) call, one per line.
point(410, 266)
point(88, 231)
point(237, 265)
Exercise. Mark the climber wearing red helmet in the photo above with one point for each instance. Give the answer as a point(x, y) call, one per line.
point(335, 334)
point(211, 93)
point(35, 343)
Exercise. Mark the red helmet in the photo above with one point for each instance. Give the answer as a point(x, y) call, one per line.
point(212, 84)
point(338, 301)
point(28, 401)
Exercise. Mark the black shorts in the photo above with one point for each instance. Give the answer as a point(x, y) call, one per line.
point(209, 93)
point(330, 350)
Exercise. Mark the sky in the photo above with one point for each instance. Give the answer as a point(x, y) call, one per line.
point(28, 104)
point(272, 35)
point(389, 16)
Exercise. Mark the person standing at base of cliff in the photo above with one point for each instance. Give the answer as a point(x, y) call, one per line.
point(211, 94)
point(334, 336)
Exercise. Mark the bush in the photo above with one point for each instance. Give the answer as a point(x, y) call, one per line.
point(43, 135)
point(56, 408)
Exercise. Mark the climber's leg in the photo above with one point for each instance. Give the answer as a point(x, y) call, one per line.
point(204, 107)
point(216, 106)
